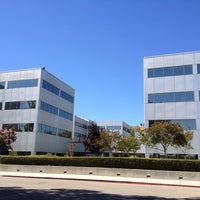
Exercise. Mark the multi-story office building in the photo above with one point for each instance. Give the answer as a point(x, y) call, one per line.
point(80, 131)
point(172, 93)
point(115, 126)
point(40, 107)
point(119, 126)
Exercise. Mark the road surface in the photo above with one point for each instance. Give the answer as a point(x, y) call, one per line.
point(14, 188)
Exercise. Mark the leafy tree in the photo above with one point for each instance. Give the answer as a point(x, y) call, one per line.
point(128, 145)
point(90, 142)
point(134, 130)
point(187, 146)
point(7, 137)
point(108, 140)
point(165, 133)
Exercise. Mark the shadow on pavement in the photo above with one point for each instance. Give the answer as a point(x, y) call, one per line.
point(15, 193)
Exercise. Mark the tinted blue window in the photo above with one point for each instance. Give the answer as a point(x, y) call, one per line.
point(66, 96)
point(178, 70)
point(20, 105)
point(50, 87)
point(199, 95)
point(23, 83)
point(179, 97)
point(47, 129)
point(168, 97)
point(49, 108)
point(159, 72)
point(0, 105)
point(65, 114)
point(187, 124)
point(170, 71)
point(150, 73)
point(171, 97)
point(151, 98)
point(188, 69)
point(184, 96)
point(189, 96)
point(198, 68)
point(2, 85)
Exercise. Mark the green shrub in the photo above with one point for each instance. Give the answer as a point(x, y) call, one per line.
point(108, 162)
point(12, 153)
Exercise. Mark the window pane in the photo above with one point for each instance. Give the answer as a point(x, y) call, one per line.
point(171, 97)
point(179, 97)
point(67, 97)
point(178, 70)
point(20, 105)
point(198, 68)
point(2, 85)
point(187, 124)
point(23, 83)
point(168, 71)
point(151, 98)
point(65, 114)
point(168, 97)
point(20, 127)
point(189, 96)
point(64, 133)
point(172, 71)
point(42, 128)
point(50, 87)
point(48, 108)
point(150, 73)
point(159, 72)
point(188, 69)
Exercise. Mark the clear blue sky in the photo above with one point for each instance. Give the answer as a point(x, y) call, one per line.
point(97, 46)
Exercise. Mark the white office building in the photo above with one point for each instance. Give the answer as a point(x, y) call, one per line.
point(80, 131)
point(40, 107)
point(172, 93)
point(118, 126)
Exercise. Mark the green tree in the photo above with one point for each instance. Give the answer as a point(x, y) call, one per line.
point(128, 145)
point(134, 130)
point(187, 146)
point(108, 140)
point(166, 134)
point(7, 137)
point(90, 141)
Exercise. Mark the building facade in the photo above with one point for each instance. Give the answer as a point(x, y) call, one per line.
point(119, 126)
point(40, 107)
point(172, 93)
point(80, 131)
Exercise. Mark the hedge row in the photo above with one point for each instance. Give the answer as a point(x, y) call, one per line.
point(108, 162)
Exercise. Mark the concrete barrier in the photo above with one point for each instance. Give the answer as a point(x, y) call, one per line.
point(134, 173)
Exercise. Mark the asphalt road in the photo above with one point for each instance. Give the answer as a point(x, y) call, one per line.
point(51, 189)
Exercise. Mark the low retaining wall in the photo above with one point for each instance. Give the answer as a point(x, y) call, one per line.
point(134, 173)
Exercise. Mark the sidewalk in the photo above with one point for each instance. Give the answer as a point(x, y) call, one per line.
point(113, 179)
